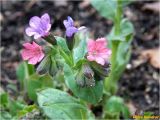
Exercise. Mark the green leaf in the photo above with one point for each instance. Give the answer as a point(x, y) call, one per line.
point(116, 105)
point(80, 49)
point(4, 99)
point(126, 28)
point(26, 110)
point(23, 71)
point(111, 116)
point(8, 104)
point(79, 63)
point(57, 104)
point(126, 2)
point(62, 43)
point(67, 58)
point(36, 82)
point(123, 50)
point(4, 115)
point(106, 8)
point(89, 94)
point(123, 56)
point(15, 106)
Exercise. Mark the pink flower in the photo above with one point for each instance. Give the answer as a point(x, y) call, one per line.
point(98, 51)
point(32, 52)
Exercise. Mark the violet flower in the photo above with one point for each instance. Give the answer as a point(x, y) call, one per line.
point(39, 26)
point(69, 25)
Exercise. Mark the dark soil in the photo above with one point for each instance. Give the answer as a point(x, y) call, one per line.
point(140, 85)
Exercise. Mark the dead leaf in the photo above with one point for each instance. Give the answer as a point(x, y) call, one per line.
point(84, 4)
point(131, 107)
point(30, 4)
point(1, 17)
point(153, 56)
point(130, 14)
point(59, 3)
point(138, 62)
point(152, 6)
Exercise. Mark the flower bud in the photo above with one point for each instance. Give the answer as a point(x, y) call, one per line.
point(50, 39)
point(101, 70)
point(48, 65)
point(85, 78)
point(70, 42)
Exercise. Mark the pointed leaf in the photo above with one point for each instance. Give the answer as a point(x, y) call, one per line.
point(80, 49)
point(106, 8)
point(62, 43)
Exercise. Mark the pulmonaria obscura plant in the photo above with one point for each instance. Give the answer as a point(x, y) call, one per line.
point(66, 77)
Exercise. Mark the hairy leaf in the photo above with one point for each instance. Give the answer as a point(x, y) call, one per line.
point(80, 50)
point(57, 104)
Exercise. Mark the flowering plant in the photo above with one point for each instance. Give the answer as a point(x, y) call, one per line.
point(67, 77)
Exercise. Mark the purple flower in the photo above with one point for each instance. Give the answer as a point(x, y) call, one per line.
point(69, 25)
point(39, 26)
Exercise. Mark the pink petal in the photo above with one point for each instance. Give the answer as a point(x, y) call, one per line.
point(26, 54)
point(41, 57)
point(105, 53)
point(35, 22)
point(91, 45)
point(30, 31)
point(33, 60)
point(27, 45)
point(35, 45)
point(90, 57)
point(100, 60)
point(101, 43)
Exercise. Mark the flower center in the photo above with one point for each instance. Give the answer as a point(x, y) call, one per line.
point(95, 53)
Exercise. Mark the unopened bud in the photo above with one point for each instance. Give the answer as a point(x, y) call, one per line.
point(101, 70)
point(89, 75)
point(85, 78)
point(50, 39)
point(88, 72)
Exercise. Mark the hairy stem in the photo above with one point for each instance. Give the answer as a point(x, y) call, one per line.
point(110, 82)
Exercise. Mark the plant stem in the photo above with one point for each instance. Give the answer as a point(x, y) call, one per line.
point(110, 82)
point(118, 17)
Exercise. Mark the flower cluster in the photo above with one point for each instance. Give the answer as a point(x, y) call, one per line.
point(39, 27)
